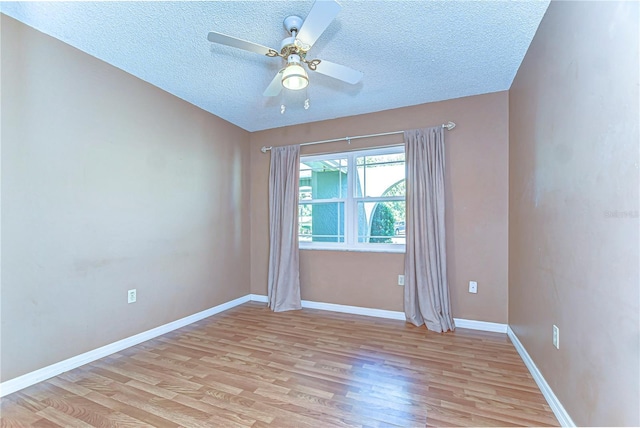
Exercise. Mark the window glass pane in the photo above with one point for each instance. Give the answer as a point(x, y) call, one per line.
point(321, 222)
point(377, 179)
point(381, 222)
point(381, 175)
point(323, 179)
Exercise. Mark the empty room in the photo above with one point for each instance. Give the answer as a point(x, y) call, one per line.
point(319, 213)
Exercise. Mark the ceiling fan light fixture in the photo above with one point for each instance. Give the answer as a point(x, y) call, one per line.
point(294, 77)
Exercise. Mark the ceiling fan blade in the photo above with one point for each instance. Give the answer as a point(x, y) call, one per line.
point(322, 13)
point(275, 86)
point(339, 72)
point(223, 39)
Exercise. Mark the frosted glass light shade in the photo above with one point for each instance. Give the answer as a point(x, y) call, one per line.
point(294, 77)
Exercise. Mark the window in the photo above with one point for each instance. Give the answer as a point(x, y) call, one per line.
point(353, 200)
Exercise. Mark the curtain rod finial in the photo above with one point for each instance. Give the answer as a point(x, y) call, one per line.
point(264, 149)
point(450, 125)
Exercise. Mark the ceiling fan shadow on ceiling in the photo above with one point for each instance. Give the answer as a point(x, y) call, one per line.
point(294, 49)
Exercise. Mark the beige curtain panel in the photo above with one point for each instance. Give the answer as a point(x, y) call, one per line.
point(284, 265)
point(426, 291)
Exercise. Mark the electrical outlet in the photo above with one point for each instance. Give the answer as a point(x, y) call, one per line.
point(131, 296)
point(400, 279)
point(556, 336)
point(473, 286)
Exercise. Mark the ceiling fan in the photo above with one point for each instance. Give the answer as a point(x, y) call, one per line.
point(293, 49)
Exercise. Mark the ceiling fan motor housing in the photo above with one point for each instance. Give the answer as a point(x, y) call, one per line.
point(288, 46)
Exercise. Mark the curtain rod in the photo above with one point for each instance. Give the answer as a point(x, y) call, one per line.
point(449, 126)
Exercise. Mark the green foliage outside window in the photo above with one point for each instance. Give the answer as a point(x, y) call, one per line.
point(382, 224)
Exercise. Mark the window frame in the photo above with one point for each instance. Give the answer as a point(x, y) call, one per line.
point(351, 203)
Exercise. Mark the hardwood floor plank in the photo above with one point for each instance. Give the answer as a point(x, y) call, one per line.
point(45, 423)
point(239, 405)
point(144, 418)
point(250, 367)
point(21, 399)
point(70, 387)
point(61, 418)
point(152, 389)
point(224, 417)
point(14, 415)
point(299, 411)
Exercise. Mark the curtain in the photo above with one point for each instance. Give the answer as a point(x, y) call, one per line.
point(426, 291)
point(284, 265)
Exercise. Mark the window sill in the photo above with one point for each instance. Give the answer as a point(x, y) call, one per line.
point(356, 250)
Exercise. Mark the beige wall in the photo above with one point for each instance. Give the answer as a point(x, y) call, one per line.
point(573, 214)
point(109, 183)
point(476, 197)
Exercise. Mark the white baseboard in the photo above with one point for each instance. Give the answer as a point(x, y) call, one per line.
point(258, 298)
point(394, 315)
point(47, 372)
point(356, 310)
point(481, 325)
point(557, 408)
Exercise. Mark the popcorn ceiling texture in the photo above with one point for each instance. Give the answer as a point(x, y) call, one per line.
point(411, 52)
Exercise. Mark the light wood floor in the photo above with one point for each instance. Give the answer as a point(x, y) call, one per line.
point(251, 367)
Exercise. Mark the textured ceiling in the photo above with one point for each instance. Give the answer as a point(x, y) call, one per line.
point(411, 52)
